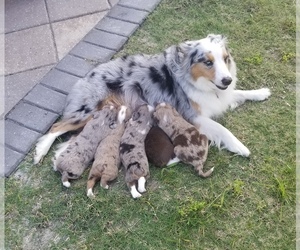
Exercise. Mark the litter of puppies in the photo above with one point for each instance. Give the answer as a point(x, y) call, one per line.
point(117, 136)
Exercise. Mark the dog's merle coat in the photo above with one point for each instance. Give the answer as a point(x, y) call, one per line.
point(151, 77)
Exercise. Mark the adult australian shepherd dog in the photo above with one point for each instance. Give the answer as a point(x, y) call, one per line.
point(198, 78)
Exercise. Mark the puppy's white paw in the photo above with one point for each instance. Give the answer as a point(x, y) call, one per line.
point(67, 184)
point(141, 185)
point(90, 193)
point(134, 193)
point(262, 94)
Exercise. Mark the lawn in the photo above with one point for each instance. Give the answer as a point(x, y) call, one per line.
point(248, 203)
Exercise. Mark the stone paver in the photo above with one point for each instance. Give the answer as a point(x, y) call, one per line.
point(12, 160)
point(18, 137)
point(105, 39)
point(59, 81)
point(32, 117)
point(117, 26)
point(75, 65)
point(140, 4)
point(37, 111)
point(128, 14)
point(92, 52)
point(46, 98)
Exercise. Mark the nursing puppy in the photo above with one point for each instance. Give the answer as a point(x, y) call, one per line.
point(107, 157)
point(190, 146)
point(132, 150)
point(159, 148)
point(73, 157)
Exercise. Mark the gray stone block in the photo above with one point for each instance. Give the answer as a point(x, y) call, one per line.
point(117, 26)
point(46, 98)
point(92, 53)
point(75, 65)
point(128, 14)
point(104, 39)
point(12, 160)
point(60, 81)
point(32, 117)
point(18, 137)
point(140, 4)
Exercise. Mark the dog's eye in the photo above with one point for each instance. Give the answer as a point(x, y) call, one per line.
point(208, 63)
point(226, 58)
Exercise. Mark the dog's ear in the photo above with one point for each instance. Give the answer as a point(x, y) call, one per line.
point(217, 38)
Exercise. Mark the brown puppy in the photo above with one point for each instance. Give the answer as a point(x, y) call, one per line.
point(189, 145)
point(159, 148)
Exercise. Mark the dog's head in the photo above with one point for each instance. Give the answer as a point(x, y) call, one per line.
point(208, 62)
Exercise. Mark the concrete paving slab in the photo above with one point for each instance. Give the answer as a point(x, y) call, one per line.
point(32, 117)
point(117, 26)
point(69, 32)
point(75, 65)
point(18, 85)
point(105, 39)
point(92, 53)
point(46, 98)
point(60, 81)
point(128, 14)
point(12, 160)
point(65, 9)
point(20, 14)
point(29, 49)
point(18, 137)
point(113, 2)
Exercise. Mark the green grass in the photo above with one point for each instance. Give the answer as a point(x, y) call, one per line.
point(246, 204)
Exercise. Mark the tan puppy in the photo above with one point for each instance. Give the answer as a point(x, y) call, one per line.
point(107, 157)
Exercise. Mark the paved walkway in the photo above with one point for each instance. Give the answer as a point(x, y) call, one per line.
point(49, 45)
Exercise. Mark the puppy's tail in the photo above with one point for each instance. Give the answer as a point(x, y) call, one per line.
point(205, 174)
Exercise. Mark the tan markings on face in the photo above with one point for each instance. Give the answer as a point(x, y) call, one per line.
point(226, 55)
point(210, 57)
point(200, 70)
point(195, 106)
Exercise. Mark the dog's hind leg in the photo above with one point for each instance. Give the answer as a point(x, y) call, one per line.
point(65, 179)
point(141, 184)
point(44, 143)
point(90, 184)
point(240, 96)
point(220, 135)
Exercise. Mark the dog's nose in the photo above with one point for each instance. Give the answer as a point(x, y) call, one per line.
point(226, 81)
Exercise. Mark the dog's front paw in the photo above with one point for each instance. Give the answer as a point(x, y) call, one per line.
point(239, 148)
point(262, 94)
